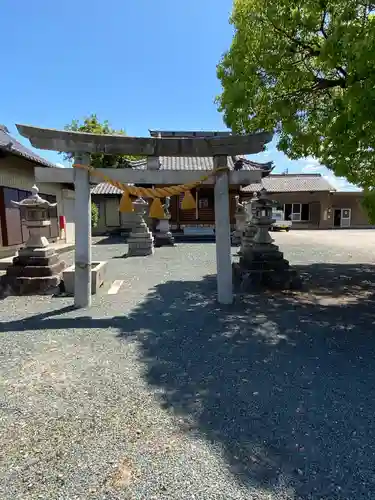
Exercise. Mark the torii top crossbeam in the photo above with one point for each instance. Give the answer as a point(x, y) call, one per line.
point(80, 142)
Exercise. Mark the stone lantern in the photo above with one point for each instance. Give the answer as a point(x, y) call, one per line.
point(262, 264)
point(262, 219)
point(140, 241)
point(163, 235)
point(250, 229)
point(34, 211)
point(37, 268)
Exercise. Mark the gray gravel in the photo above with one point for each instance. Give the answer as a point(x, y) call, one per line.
point(157, 392)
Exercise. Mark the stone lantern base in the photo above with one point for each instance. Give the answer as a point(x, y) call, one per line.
point(262, 264)
point(140, 241)
point(247, 238)
point(162, 234)
point(34, 271)
point(265, 268)
point(236, 238)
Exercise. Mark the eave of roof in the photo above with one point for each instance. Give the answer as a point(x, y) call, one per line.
point(348, 193)
point(291, 183)
point(10, 145)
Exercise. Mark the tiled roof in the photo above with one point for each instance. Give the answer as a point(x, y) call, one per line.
point(105, 188)
point(291, 183)
point(188, 163)
point(206, 163)
point(185, 163)
point(138, 164)
point(8, 143)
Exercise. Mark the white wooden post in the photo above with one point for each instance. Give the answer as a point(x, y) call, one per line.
point(82, 274)
point(222, 230)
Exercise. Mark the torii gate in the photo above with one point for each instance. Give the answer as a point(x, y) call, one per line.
point(82, 144)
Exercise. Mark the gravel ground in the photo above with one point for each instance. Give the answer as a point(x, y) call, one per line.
point(157, 392)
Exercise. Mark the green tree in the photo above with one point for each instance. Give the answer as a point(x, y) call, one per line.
point(91, 124)
point(306, 69)
point(94, 215)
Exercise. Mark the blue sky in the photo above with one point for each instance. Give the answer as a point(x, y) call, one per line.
point(138, 63)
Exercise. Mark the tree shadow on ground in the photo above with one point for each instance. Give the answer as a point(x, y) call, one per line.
point(284, 382)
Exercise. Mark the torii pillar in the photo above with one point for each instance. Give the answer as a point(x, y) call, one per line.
point(222, 233)
point(82, 144)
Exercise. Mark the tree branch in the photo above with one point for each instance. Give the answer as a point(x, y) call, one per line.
point(320, 84)
point(324, 83)
point(341, 70)
point(322, 25)
point(311, 50)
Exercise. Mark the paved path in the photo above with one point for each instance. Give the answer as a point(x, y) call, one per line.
point(157, 392)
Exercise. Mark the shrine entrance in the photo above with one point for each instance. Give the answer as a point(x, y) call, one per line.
point(83, 144)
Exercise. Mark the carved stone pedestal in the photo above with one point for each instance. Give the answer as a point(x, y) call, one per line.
point(240, 216)
point(262, 264)
point(163, 235)
point(140, 241)
point(37, 268)
point(128, 221)
point(247, 238)
point(34, 271)
point(250, 229)
point(238, 233)
point(265, 269)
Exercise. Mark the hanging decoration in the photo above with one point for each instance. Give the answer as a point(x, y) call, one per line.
point(126, 204)
point(156, 209)
point(188, 202)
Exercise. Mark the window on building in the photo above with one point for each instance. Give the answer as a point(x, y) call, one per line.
point(206, 198)
point(203, 203)
point(298, 212)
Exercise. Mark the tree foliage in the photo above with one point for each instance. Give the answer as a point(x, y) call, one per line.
point(91, 124)
point(305, 69)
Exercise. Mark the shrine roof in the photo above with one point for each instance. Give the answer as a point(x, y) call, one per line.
point(202, 163)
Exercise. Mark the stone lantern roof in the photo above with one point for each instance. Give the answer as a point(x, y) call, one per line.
point(34, 200)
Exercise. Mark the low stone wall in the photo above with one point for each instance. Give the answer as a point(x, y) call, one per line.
point(98, 270)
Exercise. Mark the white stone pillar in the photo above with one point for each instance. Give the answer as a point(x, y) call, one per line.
point(82, 271)
point(222, 231)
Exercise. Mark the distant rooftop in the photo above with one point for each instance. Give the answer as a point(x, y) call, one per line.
point(184, 133)
point(291, 183)
point(10, 145)
point(104, 188)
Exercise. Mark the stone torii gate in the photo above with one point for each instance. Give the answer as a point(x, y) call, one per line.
point(82, 144)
